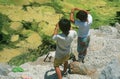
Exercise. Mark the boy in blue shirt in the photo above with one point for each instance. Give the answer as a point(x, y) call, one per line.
point(83, 21)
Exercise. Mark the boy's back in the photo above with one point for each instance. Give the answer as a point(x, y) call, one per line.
point(64, 43)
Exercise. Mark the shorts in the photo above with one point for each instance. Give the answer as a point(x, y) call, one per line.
point(60, 61)
point(83, 44)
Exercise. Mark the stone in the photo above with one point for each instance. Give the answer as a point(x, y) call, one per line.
point(111, 71)
point(80, 68)
point(3, 70)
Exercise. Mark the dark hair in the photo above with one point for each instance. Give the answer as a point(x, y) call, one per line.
point(64, 25)
point(82, 15)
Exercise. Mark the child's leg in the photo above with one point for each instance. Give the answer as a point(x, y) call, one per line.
point(82, 48)
point(65, 66)
point(84, 54)
point(58, 72)
point(85, 50)
point(81, 57)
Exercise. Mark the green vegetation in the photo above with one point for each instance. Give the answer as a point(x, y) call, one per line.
point(14, 2)
point(32, 54)
point(47, 45)
point(4, 22)
point(54, 3)
point(30, 25)
point(103, 11)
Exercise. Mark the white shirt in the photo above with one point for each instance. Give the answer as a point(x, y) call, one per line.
point(84, 27)
point(63, 43)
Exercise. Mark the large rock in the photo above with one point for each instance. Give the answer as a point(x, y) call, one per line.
point(111, 71)
point(82, 69)
point(107, 32)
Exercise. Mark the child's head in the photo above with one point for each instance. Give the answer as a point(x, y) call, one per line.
point(82, 15)
point(64, 25)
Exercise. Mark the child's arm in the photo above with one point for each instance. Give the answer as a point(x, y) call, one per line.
point(72, 14)
point(56, 29)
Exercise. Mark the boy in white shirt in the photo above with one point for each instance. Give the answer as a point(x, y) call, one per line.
point(63, 44)
point(83, 21)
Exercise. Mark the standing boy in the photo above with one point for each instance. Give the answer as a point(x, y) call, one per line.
point(83, 21)
point(63, 43)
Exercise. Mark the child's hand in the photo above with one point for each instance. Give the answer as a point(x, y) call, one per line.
point(57, 26)
point(56, 29)
point(72, 10)
point(76, 9)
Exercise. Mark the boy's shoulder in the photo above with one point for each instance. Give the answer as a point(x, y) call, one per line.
point(72, 31)
point(90, 19)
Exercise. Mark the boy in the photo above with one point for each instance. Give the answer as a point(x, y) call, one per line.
point(63, 43)
point(83, 21)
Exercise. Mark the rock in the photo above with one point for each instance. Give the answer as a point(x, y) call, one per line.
point(108, 31)
point(82, 69)
point(7, 77)
point(4, 69)
point(74, 76)
point(117, 25)
point(49, 57)
point(111, 71)
point(74, 47)
point(96, 45)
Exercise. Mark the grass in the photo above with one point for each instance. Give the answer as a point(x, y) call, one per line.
point(14, 2)
point(47, 45)
point(103, 11)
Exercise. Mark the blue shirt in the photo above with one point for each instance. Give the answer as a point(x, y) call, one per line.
point(84, 27)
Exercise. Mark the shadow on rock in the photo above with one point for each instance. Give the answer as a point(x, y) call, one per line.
point(50, 74)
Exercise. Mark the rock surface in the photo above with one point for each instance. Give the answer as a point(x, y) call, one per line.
point(112, 70)
point(4, 69)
